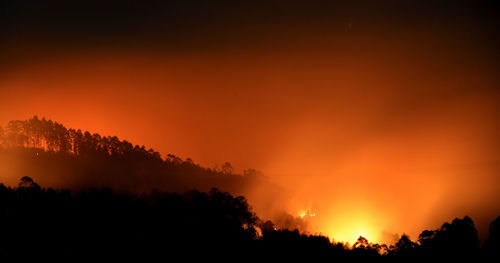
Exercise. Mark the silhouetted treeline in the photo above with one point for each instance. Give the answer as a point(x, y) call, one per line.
point(92, 220)
point(75, 159)
point(99, 223)
point(96, 222)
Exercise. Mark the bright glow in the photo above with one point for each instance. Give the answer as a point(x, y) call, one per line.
point(351, 231)
point(357, 220)
point(347, 221)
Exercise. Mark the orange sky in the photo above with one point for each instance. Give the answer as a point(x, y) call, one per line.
point(377, 130)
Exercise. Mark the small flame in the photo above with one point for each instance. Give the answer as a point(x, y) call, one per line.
point(306, 213)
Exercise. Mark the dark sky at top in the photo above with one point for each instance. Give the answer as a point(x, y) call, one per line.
point(187, 24)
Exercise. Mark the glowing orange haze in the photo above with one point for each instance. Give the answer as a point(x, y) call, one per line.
point(372, 142)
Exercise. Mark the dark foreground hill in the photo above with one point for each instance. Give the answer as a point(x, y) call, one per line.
point(98, 224)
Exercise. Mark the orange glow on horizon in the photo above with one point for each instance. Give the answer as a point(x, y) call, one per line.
point(346, 229)
point(349, 226)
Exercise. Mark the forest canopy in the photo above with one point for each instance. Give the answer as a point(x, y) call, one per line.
point(99, 222)
point(110, 197)
point(92, 159)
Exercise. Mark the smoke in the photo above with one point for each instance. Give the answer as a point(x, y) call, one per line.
point(377, 118)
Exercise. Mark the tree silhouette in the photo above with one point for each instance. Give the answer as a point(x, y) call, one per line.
point(404, 247)
point(363, 247)
point(456, 238)
point(361, 243)
point(27, 182)
point(131, 220)
point(78, 159)
point(100, 222)
point(227, 168)
point(492, 243)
